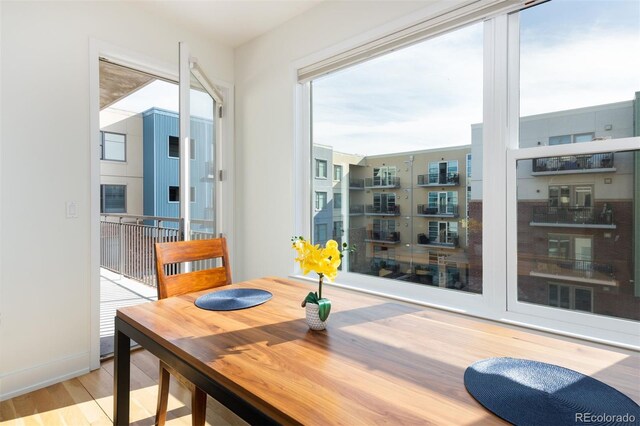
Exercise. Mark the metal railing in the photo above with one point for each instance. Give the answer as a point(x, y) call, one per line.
point(450, 240)
point(572, 215)
point(383, 236)
point(355, 183)
point(450, 210)
point(575, 268)
point(356, 209)
point(449, 178)
point(382, 182)
point(127, 241)
point(382, 210)
point(573, 162)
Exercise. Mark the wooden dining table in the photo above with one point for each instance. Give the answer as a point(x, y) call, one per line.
point(378, 362)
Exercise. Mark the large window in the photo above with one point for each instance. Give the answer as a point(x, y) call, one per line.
point(113, 198)
point(576, 223)
point(114, 146)
point(399, 128)
point(540, 154)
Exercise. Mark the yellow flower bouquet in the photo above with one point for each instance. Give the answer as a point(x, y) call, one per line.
point(325, 262)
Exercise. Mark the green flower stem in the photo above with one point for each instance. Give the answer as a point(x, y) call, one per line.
point(320, 286)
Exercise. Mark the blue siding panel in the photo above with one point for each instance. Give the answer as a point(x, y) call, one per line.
point(148, 166)
point(162, 171)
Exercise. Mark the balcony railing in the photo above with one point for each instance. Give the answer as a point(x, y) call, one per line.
point(575, 268)
point(451, 240)
point(356, 209)
point(572, 215)
point(571, 163)
point(374, 210)
point(356, 183)
point(450, 210)
point(439, 179)
point(382, 182)
point(127, 243)
point(383, 237)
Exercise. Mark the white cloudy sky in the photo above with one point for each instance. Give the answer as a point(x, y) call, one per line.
point(164, 95)
point(573, 54)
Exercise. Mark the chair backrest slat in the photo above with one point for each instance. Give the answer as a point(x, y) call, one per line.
point(189, 251)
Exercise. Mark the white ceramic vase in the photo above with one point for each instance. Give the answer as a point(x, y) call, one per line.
point(313, 319)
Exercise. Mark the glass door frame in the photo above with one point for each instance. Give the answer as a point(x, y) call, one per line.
point(225, 160)
point(189, 67)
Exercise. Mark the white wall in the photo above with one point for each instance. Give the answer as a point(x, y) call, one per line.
point(45, 274)
point(265, 123)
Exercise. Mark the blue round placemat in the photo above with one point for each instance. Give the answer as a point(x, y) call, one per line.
point(230, 300)
point(526, 392)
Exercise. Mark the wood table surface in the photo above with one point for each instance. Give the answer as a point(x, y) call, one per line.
point(378, 362)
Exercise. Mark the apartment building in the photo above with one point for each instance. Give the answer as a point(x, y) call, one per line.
point(404, 212)
point(417, 216)
point(161, 167)
point(575, 214)
point(140, 166)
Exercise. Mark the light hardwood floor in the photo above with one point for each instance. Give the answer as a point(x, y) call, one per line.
point(88, 400)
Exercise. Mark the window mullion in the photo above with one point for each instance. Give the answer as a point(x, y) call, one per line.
point(496, 136)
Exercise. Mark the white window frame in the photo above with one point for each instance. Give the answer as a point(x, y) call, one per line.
point(501, 127)
point(337, 196)
point(102, 198)
point(319, 207)
point(103, 134)
point(336, 168)
point(317, 167)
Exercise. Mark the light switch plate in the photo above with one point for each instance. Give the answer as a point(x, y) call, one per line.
point(72, 209)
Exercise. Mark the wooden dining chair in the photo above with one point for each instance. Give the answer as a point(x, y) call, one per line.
point(169, 256)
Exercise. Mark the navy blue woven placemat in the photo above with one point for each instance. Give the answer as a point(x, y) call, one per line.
point(526, 392)
point(230, 300)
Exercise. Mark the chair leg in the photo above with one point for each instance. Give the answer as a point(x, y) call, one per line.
point(163, 396)
point(198, 406)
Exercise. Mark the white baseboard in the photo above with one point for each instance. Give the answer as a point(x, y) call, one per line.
point(19, 382)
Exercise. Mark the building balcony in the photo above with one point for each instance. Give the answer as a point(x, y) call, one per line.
point(383, 237)
point(585, 271)
point(356, 184)
point(381, 183)
point(450, 210)
point(450, 241)
point(439, 179)
point(569, 164)
point(372, 210)
point(356, 209)
point(578, 217)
